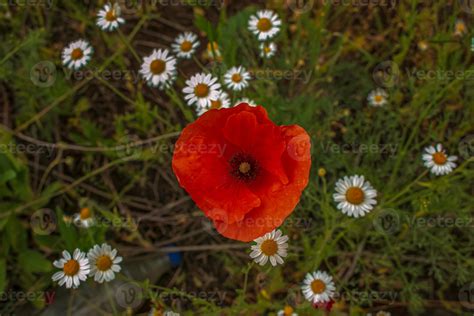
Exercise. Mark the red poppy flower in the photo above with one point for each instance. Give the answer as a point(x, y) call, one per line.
point(242, 170)
point(324, 305)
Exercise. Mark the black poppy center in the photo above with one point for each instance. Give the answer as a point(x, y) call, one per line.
point(243, 167)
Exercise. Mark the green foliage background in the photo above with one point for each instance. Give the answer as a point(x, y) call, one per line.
point(99, 143)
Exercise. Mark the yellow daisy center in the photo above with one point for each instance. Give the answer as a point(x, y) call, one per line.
point(77, 53)
point(355, 195)
point(378, 98)
point(288, 310)
point(269, 247)
point(266, 49)
point(236, 78)
point(318, 286)
point(110, 16)
point(201, 90)
point(460, 27)
point(216, 104)
point(103, 263)
point(157, 66)
point(71, 267)
point(85, 213)
point(439, 158)
point(264, 25)
point(186, 46)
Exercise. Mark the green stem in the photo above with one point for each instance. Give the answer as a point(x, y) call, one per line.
point(126, 41)
point(111, 301)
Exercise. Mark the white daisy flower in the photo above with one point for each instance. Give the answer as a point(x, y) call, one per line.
point(268, 50)
point(271, 246)
point(377, 97)
point(287, 311)
point(265, 24)
point(356, 197)
point(159, 69)
point(237, 78)
point(158, 312)
point(74, 269)
point(246, 100)
point(185, 45)
point(104, 263)
point(108, 19)
point(84, 218)
point(318, 287)
point(202, 89)
point(460, 28)
point(77, 54)
point(221, 102)
point(438, 161)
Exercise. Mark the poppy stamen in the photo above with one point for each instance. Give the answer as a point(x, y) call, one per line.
point(243, 167)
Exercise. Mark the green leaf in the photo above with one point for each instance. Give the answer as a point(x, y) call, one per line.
point(3, 274)
point(15, 235)
point(34, 262)
point(204, 25)
point(68, 232)
point(7, 176)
